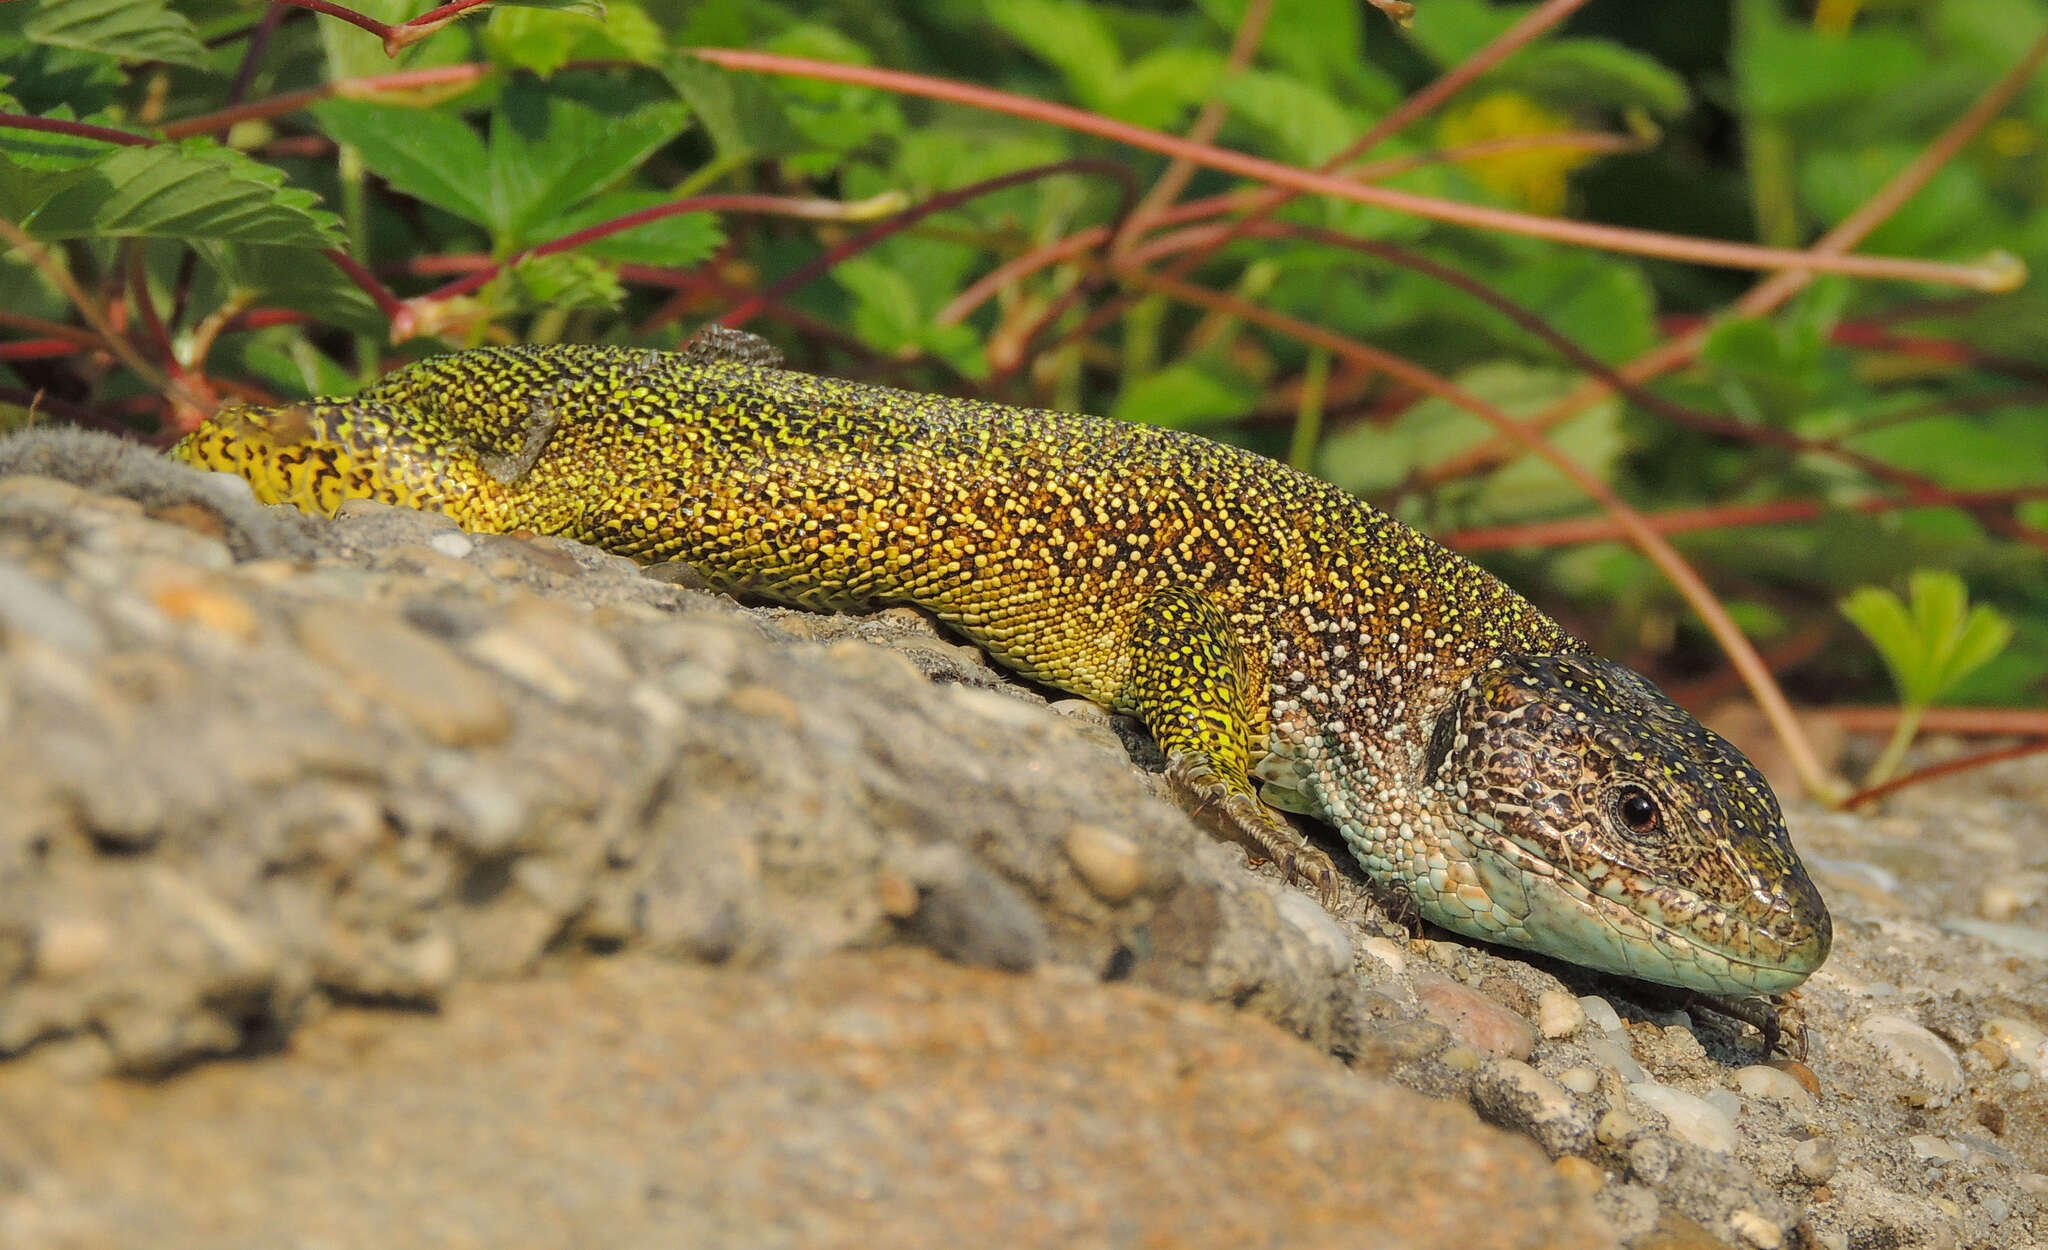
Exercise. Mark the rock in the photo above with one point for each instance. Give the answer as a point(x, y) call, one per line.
point(1514, 1095)
point(865, 1100)
point(1559, 1015)
point(1692, 1119)
point(1763, 1081)
point(1109, 864)
point(393, 665)
point(1476, 1020)
point(1815, 1160)
point(1932, 1073)
point(1601, 1014)
point(1615, 1054)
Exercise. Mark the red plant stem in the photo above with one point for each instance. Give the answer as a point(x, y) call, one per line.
point(76, 130)
point(152, 324)
point(1775, 290)
point(1612, 238)
point(1762, 686)
point(1723, 516)
point(39, 349)
point(752, 307)
point(386, 302)
point(346, 14)
point(293, 101)
point(1946, 768)
point(1980, 721)
point(1250, 28)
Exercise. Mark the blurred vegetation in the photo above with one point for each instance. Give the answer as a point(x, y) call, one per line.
point(200, 251)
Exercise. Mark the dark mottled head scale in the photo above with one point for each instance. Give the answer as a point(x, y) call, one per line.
point(1583, 748)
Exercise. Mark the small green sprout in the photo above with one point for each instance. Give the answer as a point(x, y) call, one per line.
point(1929, 643)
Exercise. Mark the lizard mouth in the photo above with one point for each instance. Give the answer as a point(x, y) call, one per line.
point(1653, 931)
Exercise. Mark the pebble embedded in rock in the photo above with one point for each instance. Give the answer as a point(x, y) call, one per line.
point(1930, 1069)
point(1615, 1054)
point(1693, 1119)
point(1477, 1020)
point(1934, 1149)
point(452, 543)
point(1108, 863)
point(1559, 1015)
point(1388, 953)
point(1581, 1174)
point(392, 663)
point(1324, 934)
point(1815, 1159)
point(1600, 1013)
point(69, 946)
point(2021, 1041)
point(1755, 1229)
point(1579, 1080)
point(1763, 1081)
point(1515, 1095)
point(1650, 1158)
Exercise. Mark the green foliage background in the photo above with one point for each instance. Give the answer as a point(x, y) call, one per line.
point(1751, 119)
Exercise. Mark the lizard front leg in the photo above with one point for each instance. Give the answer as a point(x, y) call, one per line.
point(1188, 685)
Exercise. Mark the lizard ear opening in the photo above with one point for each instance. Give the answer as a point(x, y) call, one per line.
point(1442, 736)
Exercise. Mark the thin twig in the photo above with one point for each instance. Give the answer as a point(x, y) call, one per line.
point(2000, 276)
point(1946, 768)
point(1769, 294)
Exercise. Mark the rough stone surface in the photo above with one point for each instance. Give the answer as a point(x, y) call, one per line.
point(446, 885)
point(857, 1101)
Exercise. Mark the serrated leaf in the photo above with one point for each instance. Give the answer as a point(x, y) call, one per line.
point(129, 30)
point(427, 153)
point(543, 42)
point(548, 151)
point(192, 191)
point(677, 241)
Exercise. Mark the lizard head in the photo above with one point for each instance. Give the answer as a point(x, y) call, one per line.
point(1605, 825)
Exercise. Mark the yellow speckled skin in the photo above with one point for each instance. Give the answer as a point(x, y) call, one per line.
point(1263, 624)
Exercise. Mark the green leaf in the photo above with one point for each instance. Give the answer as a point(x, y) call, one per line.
point(549, 151)
point(1448, 31)
point(888, 314)
point(542, 41)
point(1580, 73)
point(1785, 69)
point(1933, 641)
point(1184, 395)
point(742, 114)
point(577, 8)
point(1307, 123)
point(286, 277)
point(193, 190)
point(1883, 620)
point(427, 153)
point(130, 30)
point(1070, 36)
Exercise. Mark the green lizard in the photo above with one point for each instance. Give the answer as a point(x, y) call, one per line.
point(1286, 644)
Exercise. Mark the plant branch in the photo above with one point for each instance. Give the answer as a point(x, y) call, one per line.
point(1992, 276)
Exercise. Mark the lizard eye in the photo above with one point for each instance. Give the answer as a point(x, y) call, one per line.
point(1637, 809)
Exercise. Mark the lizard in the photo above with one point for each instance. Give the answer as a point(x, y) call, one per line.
point(1289, 647)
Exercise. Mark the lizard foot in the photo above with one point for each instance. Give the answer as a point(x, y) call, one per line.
point(1240, 816)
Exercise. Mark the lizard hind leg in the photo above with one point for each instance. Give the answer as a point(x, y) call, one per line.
point(1188, 684)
